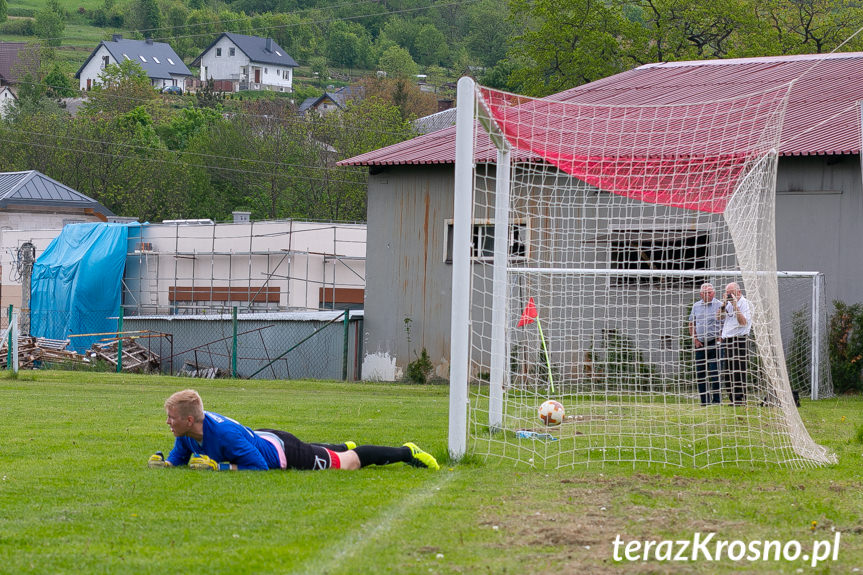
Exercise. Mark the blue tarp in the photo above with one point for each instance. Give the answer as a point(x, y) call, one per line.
point(77, 283)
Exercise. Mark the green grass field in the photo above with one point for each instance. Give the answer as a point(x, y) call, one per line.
point(76, 495)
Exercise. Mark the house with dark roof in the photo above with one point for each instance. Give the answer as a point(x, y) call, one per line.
point(31, 194)
point(237, 62)
point(12, 59)
point(158, 59)
point(819, 195)
point(331, 100)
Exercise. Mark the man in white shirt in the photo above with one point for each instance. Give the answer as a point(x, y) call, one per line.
point(737, 324)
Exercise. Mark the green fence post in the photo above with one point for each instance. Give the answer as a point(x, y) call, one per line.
point(9, 342)
point(234, 344)
point(345, 347)
point(120, 341)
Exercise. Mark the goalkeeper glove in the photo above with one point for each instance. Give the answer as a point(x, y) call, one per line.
point(158, 460)
point(204, 463)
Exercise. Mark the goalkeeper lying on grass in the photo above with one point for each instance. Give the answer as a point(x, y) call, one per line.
point(206, 440)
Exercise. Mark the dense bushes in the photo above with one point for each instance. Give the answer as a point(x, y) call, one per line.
point(18, 27)
point(846, 347)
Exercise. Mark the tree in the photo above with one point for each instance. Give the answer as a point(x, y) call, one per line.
point(49, 27)
point(58, 84)
point(406, 96)
point(811, 26)
point(431, 46)
point(146, 17)
point(319, 69)
point(397, 62)
point(338, 193)
point(489, 31)
point(348, 44)
point(121, 88)
point(208, 97)
point(4, 10)
point(566, 43)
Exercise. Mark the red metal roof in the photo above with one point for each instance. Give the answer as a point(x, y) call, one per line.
point(822, 118)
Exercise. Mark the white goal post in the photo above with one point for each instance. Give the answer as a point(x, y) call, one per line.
point(605, 223)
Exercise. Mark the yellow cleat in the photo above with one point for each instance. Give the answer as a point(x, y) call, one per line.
point(420, 458)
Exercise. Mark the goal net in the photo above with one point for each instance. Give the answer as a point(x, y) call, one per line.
point(584, 234)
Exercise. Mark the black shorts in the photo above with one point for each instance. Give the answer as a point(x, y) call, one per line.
point(301, 455)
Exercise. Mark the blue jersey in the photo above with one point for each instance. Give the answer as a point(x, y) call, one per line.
point(227, 440)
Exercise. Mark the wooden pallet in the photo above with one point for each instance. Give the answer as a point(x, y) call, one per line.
point(191, 369)
point(136, 358)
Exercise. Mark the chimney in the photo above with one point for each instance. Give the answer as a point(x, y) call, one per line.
point(116, 37)
point(269, 44)
point(242, 217)
point(149, 41)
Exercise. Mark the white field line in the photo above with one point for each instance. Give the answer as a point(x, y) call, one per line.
point(335, 556)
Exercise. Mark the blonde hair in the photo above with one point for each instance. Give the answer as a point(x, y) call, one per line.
point(186, 402)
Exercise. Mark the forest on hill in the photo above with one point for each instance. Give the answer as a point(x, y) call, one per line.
point(171, 157)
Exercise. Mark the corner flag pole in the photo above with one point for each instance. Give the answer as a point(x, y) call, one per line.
point(530, 315)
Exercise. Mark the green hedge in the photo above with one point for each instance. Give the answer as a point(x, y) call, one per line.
point(18, 28)
point(846, 347)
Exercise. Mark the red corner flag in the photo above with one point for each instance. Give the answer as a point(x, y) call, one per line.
point(529, 313)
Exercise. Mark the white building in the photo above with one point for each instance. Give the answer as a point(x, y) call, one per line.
point(7, 99)
point(191, 267)
point(236, 62)
point(197, 266)
point(34, 208)
point(158, 59)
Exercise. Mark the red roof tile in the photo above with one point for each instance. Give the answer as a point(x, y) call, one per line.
point(823, 114)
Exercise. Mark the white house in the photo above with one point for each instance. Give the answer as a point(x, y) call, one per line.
point(7, 99)
point(236, 62)
point(158, 59)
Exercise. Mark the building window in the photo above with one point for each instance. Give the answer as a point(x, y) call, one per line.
point(126, 56)
point(156, 60)
point(232, 51)
point(660, 250)
point(171, 62)
point(266, 71)
point(143, 59)
point(218, 52)
point(482, 241)
point(105, 61)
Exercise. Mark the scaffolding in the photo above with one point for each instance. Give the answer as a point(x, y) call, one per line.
point(200, 267)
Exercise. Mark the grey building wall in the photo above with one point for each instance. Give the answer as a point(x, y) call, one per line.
point(819, 216)
point(406, 277)
point(819, 221)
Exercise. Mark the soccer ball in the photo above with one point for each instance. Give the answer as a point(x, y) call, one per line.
point(551, 412)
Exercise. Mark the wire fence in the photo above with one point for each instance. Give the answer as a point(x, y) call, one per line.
point(279, 345)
